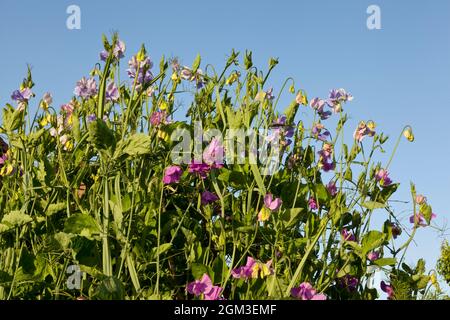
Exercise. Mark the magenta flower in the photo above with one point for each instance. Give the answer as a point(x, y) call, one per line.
point(347, 235)
point(208, 197)
point(22, 95)
point(306, 292)
point(172, 174)
point(372, 256)
point(272, 204)
point(252, 269)
point(213, 154)
point(332, 189)
point(158, 117)
point(86, 88)
point(204, 286)
point(112, 93)
point(388, 289)
point(312, 203)
point(202, 169)
point(419, 219)
point(382, 176)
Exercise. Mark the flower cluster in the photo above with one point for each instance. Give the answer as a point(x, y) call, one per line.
point(204, 287)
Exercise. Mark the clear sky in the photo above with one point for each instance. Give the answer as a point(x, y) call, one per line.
point(399, 75)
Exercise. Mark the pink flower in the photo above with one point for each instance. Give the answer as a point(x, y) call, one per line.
point(388, 289)
point(372, 256)
point(420, 199)
point(172, 174)
point(420, 220)
point(214, 153)
point(208, 197)
point(158, 117)
point(252, 269)
point(306, 292)
point(312, 203)
point(201, 169)
point(272, 204)
point(204, 286)
point(364, 130)
point(383, 177)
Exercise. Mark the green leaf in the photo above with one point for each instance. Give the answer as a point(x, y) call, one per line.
point(101, 136)
point(83, 225)
point(198, 270)
point(110, 288)
point(372, 205)
point(372, 240)
point(136, 145)
point(196, 63)
point(258, 179)
point(385, 262)
point(291, 217)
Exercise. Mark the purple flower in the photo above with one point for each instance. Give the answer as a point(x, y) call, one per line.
point(144, 74)
point(204, 286)
point(349, 282)
point(86, 88)
point(112, 93)
point(213, 154)
point(318, 134)
point(318, 105)
point(331, 187)
point(419, 219)
point(208, 197)
point(92, 117)
point(201, 169)
point(306, 292)
point(118, 51)
point(348, 236)
point(325, 161)
point(272, 204)
point(382, 176)
point(312, 203)
point(158, 117)
point(172, 174)
point(22, 95)
point(388, 289)
point(372, 256)
point(337, 97)
point(47, 98)
point(269, 94)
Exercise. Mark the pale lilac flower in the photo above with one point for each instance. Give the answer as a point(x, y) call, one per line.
point(269, 94)
point(208, 197)
point(372, 256)
point(187, 74)
point(213, 154)
point(47, 98)
point(118, 51)
point(388, 289)
point(318, 134)
point(92, 117)
point(306, 292)
point(144, 66)
point(112, 92)
point(382, 176)
point(22, 95)
point(86, 88)
point(172, 174)
point(318, 105)
point(337, 97)
point(272, 204)
point(364, 130)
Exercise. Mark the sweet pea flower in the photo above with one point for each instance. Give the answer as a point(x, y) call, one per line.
point(204, 286)
point(172, 174)
point(213, 154)
point(22, 95)
point(349, 282)
point(325, 160)
point(382, 176)
point(348, 236)
point(202, 169)
point(271, 203)
point(306, 292)
point(316, 131)
point(269, 94)
point(112, 92)
point(141, 68)
point(252, 269)
point(332, 189)
point(208, 197)
point(337, 97)
point(118, 51)
point(419, 219)
point(388, 289)
point(158, 117)
point(363, 130)
point(312, 203)
point(86, 88)
point(318, 105)
point(420, 199)
point(372, 256)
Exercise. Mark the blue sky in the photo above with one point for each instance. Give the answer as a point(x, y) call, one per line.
point(399, 75)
